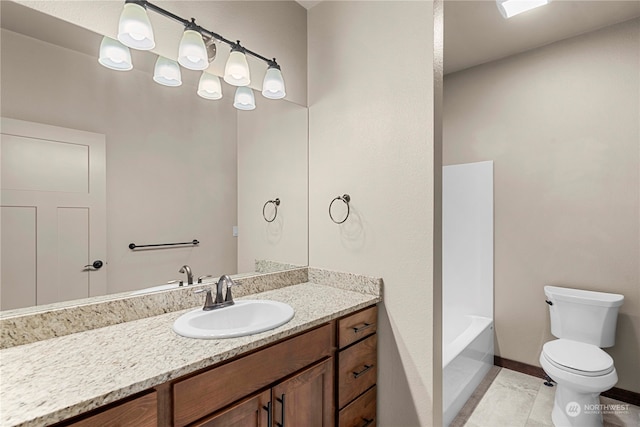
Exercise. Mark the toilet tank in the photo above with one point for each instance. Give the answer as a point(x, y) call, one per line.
point(584, 316)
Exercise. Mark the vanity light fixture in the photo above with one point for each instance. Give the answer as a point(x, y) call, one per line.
point(192, 53)
point(134, 28)
point(509, 8)
point(167, 72)
point(115, 55)
point(273, 84)
point(236, 71)
point(209, 86)
point(196, 50)
point(244, 99)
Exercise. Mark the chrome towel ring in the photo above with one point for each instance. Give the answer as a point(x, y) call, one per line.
point(346, 199)
point(276, 203)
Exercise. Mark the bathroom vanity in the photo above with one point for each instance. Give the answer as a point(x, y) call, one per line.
point(318, 369)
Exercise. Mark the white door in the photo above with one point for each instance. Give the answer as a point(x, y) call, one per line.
point(53, 214)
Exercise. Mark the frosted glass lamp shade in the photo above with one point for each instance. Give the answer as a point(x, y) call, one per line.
point(134, 29)
point(236, 71)
point(509, 8)
point(273, 84)
point(192, 53)
point(209, 86)
point(167, 72)
point(115, 55)
point(244, 99)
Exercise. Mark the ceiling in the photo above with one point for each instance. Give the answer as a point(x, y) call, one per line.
point(475, 32)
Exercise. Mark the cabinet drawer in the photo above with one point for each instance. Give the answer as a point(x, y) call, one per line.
point(205, 393)
point(357, 326)
point(357, 367)
point(140, 412)
point(361, 412)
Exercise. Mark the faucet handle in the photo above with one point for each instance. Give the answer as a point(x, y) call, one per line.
point(208, 302)
point(206, 276)
point(171, 282)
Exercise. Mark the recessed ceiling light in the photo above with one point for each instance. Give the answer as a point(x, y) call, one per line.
point(509, 8)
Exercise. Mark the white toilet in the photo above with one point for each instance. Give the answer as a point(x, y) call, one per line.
point(584, 322)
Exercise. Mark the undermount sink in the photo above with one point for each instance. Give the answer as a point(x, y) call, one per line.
point(245, 317)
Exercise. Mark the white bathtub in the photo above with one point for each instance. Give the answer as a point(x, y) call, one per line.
point(467, 356)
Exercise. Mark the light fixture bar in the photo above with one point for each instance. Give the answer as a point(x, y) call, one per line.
point(193, 26)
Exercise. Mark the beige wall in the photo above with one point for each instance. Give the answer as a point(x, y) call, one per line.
point(562, 125)
point(272, 163)
point(371, 126)
point(157, 191)
point(270, 28)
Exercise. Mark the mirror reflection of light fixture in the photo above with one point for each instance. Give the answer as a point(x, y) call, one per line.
point(209, 86)
point(192, 53)
point(115, 55)
point(244, 99)
point(167, 72)
point(509, 8)
point(196, 51)
point(273, 83)
point(134, 28)
point(236, 71)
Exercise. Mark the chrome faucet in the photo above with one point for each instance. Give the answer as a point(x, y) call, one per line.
point(186, 269)
point(228, 299)
point(220, 301)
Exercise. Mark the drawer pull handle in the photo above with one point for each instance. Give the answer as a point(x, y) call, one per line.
point(367, 422)
point(366, 368)
point(281, 400)
point(269, 412)
point(362, 328)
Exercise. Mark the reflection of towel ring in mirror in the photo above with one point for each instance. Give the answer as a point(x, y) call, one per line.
point(276, 203)
point(346, 199)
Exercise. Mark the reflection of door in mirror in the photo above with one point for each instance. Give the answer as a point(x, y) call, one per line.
point(53, 214)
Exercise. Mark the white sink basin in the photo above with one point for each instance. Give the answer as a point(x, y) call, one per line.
point(245, 317)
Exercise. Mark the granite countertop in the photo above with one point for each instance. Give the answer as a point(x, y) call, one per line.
point(54, 379)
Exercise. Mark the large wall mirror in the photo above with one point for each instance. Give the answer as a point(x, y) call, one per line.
point(175, 167)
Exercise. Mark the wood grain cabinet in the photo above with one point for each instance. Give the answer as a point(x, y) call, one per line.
point(320, 378)
point(251, 412)
point(357, 369)
point(134, 412)
point(305, 399)
point(205, 393)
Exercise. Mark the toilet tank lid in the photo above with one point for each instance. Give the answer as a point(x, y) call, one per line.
point(602, 299)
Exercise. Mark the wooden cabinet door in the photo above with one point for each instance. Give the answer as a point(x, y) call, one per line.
point(306, 399)
point(251, 412)
point(140, 412)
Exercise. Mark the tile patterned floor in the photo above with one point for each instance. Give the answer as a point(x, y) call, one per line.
point(512, 399)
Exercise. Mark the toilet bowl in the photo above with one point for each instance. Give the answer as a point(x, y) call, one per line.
point(581, 371)
point(584, 321)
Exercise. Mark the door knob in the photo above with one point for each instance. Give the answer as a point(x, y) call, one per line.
point(97, 264)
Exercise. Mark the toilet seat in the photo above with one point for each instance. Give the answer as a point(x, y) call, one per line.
point(577, 357)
